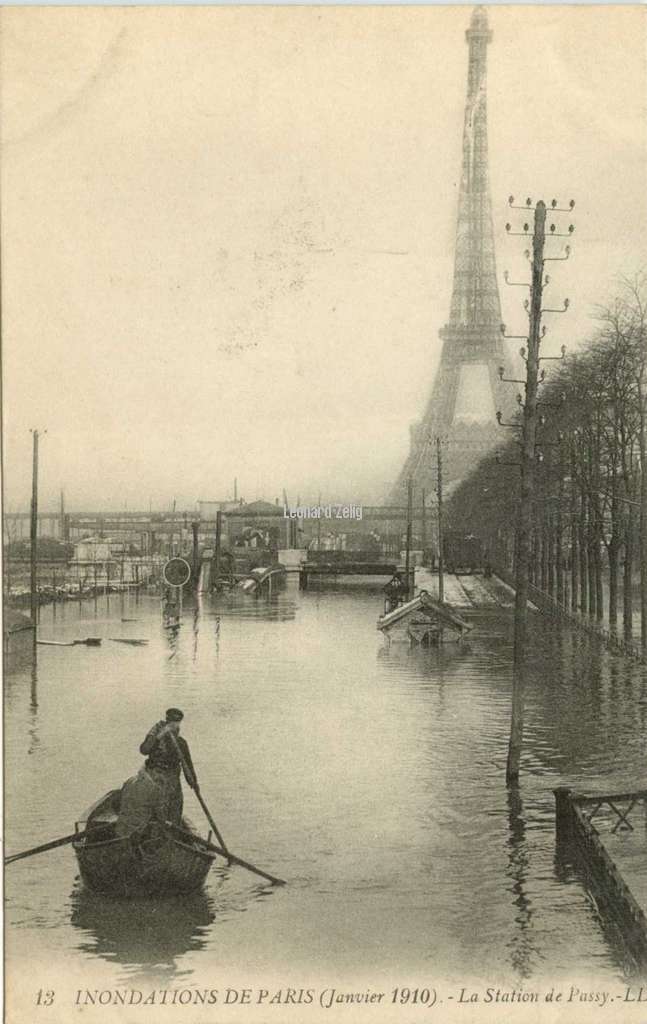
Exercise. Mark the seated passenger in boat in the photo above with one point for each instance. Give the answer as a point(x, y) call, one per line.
point(142, 801)
point(168, 752)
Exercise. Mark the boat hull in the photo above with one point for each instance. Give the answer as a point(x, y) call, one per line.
point(166, 862)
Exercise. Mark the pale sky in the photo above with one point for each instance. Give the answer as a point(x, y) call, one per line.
point(228, 233)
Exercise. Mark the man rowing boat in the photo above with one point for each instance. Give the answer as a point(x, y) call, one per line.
point(168, 752)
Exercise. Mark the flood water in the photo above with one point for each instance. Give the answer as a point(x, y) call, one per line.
point(369, 776)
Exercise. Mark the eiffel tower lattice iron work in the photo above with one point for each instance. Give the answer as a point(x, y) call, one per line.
point(467, 390)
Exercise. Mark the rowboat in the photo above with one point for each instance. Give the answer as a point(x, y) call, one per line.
point(165, 859)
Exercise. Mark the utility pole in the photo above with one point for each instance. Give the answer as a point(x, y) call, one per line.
point(527, 465)
point(525, 503)
point(6, 542)
point(34, 533)
point(439, 492)
point(407, 564)
point(195, 527)
point(423, 526)
point(319, 525)
point(216, 555)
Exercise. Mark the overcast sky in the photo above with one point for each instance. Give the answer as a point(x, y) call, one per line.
point(228, 233)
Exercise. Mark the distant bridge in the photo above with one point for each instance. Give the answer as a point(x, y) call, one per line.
point(148, 529)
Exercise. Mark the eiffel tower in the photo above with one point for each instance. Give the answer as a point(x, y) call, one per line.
point(467, 390)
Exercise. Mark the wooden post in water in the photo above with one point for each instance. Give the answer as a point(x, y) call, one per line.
point(563, 813)
point(33, 554)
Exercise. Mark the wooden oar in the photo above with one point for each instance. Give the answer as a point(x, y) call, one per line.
point(45, 847)
point(196, 790)
point(222, 849)
point(188, 774)
point(231, 858)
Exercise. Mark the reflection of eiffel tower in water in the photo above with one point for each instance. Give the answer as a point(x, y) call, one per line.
point(467, 390)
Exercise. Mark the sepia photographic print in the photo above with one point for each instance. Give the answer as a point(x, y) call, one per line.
point(324, 514)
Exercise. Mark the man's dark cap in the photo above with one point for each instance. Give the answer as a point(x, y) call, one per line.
point(174, 715)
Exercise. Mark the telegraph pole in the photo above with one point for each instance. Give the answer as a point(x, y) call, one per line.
point(529, 424)
point(319, 525)
point(408, 545)
point(439, 492)
point(216, 554)
point(34, 533)
point(524, 524)
point(423, 526)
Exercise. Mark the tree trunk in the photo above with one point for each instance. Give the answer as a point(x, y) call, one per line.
point(627, 580)
point(559, 557)
point(643, 519)
point(590, 555)
point(574, 545)
point(614, 553)
point(551, 557)
point(584, 578)
point(599, 593)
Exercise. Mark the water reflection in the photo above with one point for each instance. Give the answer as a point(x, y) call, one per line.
point(172, 634)
point(314, 723)
point(196, 626)
point(571, 870)
point(141, 934)
point(33, 710)
point(583, 704)
point(396, 655)
point(276, 607)
point(521, 945)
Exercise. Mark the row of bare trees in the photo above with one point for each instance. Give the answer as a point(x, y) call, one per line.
point(589, 543)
